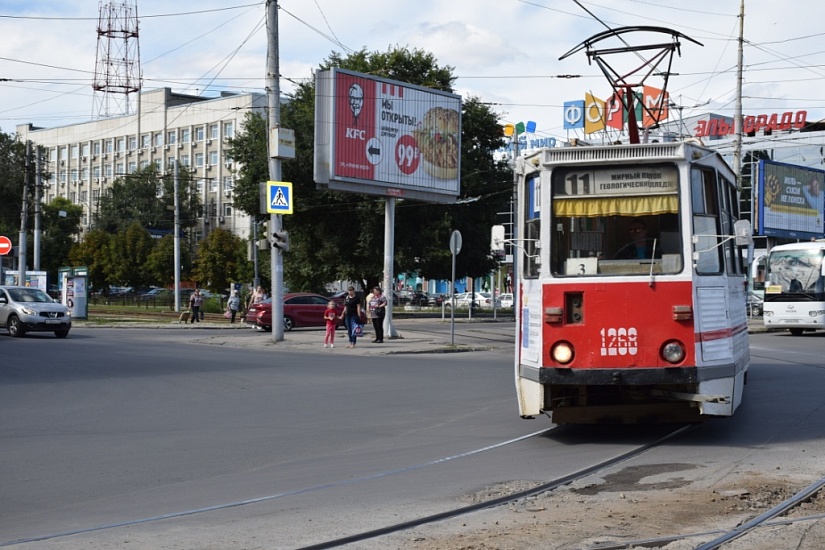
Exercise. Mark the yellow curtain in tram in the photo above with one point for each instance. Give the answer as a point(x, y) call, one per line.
point(616, 206)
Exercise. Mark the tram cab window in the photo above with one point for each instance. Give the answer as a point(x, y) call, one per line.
point(615, 221)
point(532, 227)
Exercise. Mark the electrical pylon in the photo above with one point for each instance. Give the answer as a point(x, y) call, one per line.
point(117, 66)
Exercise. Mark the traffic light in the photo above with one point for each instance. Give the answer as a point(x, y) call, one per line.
point(280, 240)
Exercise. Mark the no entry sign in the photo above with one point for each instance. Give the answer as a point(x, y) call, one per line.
point(5, 245)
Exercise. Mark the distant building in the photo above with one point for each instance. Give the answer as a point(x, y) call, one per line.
point(85, 158)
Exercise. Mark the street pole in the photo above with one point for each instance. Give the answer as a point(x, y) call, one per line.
point(737, 117)
point(24, 217)
point(176, 180)
point(38, 183)
point(275, 220)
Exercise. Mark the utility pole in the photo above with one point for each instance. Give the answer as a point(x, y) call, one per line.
point(737, 117)
point(275, 220)
point(38, 186)
point(176, 176)
point(24, 218)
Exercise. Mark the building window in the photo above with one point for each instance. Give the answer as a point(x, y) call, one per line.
point(228, 182)
point(145, 140)
point(132, 167)
point(228, 130)
point(84, 174)
point(109, 145)
point(213, 158)
point(144, 164)
point(132, 143)
point(63, 177)
point(84, 196)
point(199, 131)
point(227, 210)
point(199, 160)
point(73, 174)
point(107, 170)
point(159, 139)
point(96, 148)
point(95, 172)
point(171, 137)
point(200, 185)
point(213, 132)
point(184, 160)
point(84, 150)
point(213, 185)
point(95, 195)
point(184, 135)
point(73, 197)
point(121, 144)
point(75, 151)
point(64, 153)
point(121, 169)
point(158, 165)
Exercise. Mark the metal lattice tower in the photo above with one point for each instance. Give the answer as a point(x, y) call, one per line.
point(117, 66)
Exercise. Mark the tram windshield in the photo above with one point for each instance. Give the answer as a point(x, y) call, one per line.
point(615, 220)
point(796, 271)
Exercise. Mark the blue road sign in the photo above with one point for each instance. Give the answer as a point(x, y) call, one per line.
point(279, 197)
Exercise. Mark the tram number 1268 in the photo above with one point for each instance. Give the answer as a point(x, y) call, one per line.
point(619, 341)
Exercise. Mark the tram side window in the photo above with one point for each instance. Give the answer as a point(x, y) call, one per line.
point(729, 212)
point(532, 227)
point(706, 220)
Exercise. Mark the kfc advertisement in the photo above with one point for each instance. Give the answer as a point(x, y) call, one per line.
point(387, 137)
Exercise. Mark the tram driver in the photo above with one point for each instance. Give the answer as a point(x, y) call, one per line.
point(640, 246)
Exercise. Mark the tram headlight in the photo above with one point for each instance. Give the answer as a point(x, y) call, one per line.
point(562, 352)
point(816, 313)
point(673, 351)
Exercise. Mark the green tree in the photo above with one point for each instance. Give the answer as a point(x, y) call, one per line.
point(221, 260)
point(93, 252)
point(160, 264)
point(147, 197)
point(61, 224)
point(12, 183)
point(341, 235)
point(128, 254)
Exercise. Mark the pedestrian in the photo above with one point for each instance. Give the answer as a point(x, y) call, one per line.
point(195, 303)
point(233, 304)
point(377, 308)
point(367, 301)
point(258, 296)
point(351, 315)
point(330, 315)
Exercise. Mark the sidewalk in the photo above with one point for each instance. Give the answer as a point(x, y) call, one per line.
point(409, 339)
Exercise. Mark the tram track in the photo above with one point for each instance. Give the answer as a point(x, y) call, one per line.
point(721, 537)
point(464, 510)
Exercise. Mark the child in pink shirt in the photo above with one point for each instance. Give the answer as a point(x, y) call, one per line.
point(330, 315)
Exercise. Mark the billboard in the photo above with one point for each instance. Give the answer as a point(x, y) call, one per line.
point(384, 137)
point(791, 200)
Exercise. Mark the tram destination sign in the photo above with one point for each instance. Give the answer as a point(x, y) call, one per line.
point(635, 180)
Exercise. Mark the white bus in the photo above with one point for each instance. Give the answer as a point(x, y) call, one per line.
point(795, 287)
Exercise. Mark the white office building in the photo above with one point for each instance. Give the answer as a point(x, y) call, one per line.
point(83, 159)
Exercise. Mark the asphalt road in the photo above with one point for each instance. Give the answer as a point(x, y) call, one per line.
point(198, 439)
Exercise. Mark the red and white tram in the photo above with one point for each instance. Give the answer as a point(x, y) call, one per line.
point(631, 295)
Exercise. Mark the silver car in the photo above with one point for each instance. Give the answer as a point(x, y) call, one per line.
point(24, 309)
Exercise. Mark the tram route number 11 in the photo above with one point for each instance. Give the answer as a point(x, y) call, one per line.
point(619, 341)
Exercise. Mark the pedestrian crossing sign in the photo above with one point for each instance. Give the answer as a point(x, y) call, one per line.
point(279, 197)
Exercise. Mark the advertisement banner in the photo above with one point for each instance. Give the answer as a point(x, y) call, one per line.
point(389, 137)
point(791, 200)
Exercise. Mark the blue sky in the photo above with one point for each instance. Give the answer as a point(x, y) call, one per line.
point(505, 52)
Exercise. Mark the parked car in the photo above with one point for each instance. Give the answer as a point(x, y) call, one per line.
point(477, 299)
point(25, 309)
point(415, 298)
point(301, 309)
point(505, 301)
